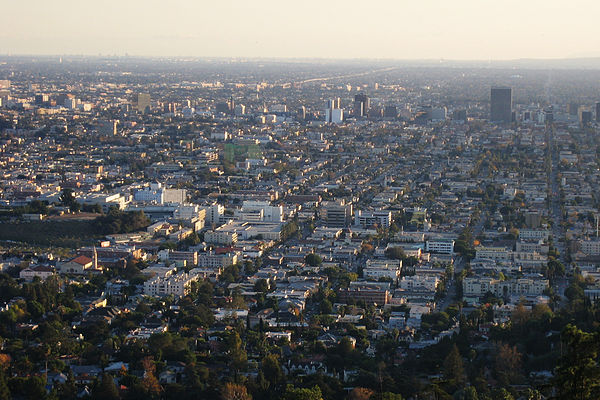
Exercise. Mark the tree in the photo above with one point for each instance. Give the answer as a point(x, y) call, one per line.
point(345, 347)
point(272, 371)
point(360, 393)
point(232, 391)
point(453, 366)
point(508, 364)
point(106, 389)
point(326, 307)
point(117, 221)
point(532, 394)
point(237, 354)
point(578, 373)
point(387, 396)
point(501, 394)
point(395, 253)
point(313, 259)
point(150, 384)
point(555, 269)
point(261, 285)
point(4, 390)
point(468, 393)
point(292, 393)
point(66, 197)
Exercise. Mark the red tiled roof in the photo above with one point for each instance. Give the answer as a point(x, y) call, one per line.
point(82, 260)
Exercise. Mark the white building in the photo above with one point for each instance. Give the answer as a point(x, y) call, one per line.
point(257, 211)
point(535, 234)
point(334, 115)
point(419, 282)
point(151, 194)
point(492, 253)
point(104, 200)
point(366, 219)
point(590, 247)
point(155, 193)
point(221, 237)
point(377, 273)
point(189, 211)
point(174, 195)
point(444, 246)
point(177, 285)
point(248, 230)
point(214, 213)
point(190, 258)
point(211, 260)
point(476, 287)
point(41, 271)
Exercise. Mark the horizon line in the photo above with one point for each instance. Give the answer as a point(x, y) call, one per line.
point(319, 58)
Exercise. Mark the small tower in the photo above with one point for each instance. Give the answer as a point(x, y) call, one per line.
point(95, 258)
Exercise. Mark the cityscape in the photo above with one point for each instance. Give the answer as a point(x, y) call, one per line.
point(297, 228)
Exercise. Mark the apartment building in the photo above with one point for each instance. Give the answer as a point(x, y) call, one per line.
point(479, 286)
point(178, 285)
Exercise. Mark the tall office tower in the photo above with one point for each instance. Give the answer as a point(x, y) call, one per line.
point(222, 108)
point(390, 112)
point(169, 108)
point(573, 108)
point(41, 99)
point(459, 115)
point(361, 105)
point(501, 104)
point(107, 127)
point(142, 102)
point(584, 115)
point(336, 213)
point(301, 113)
point(598, 112)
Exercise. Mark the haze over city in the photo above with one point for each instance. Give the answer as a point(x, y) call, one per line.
point(460, 29)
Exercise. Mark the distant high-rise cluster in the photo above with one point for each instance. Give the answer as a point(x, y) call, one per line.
point(361, 105)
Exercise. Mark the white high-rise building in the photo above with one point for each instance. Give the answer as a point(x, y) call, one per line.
point(214, 213)
point(334, 115)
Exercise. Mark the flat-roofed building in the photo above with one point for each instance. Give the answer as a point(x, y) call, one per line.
point(440, 245)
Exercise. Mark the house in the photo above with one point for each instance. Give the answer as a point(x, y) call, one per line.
point(328, 339)
point(79, 265)
point(85, 374)
point(167, 377)
point(41, 271)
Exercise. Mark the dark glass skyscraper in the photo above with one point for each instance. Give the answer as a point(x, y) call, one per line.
point(501, 104)
point(361, 105)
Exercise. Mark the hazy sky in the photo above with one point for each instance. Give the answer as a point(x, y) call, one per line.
point(400, 29)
